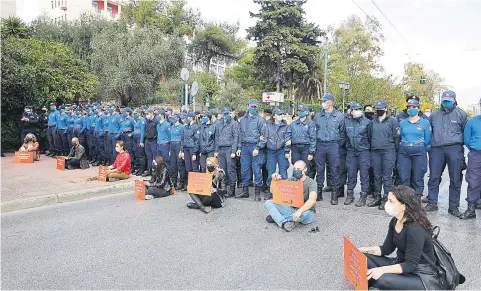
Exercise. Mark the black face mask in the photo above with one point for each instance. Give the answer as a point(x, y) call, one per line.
point(380, 112)
point(369, 115)
point(211, 168)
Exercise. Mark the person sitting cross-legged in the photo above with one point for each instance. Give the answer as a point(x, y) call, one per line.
point(287, 216)
point(121, 168)
point(76, 158)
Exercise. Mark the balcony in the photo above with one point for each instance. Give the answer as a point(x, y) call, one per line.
point(108, 8)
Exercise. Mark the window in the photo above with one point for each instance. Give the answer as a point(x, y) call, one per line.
point(95, 5)
point(109, 11)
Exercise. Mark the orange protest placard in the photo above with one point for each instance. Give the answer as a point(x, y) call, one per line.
point(289, 193)
point(199, 183)
point(61, 163)
point(139, 188)
point(355, 266)
point(102, 176)
point(23, 157)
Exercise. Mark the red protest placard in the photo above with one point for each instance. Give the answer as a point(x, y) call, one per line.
point(355, 266)
point(139, 188)
point(61, 163)
point(102, 175)
point(199, 183)
point(289, 193)
point(23, 157)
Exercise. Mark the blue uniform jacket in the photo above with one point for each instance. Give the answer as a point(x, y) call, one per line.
point(448, 127)
point(115, 121)
point(127, 125)
point(62, 122)
point(227, 134)
point(385, 133)
point(176, 131)
point(139, 128)
point(53, 118)
point(70, 121)
point(472, 133)
point(303, 133)
point(100, 124)
point(358, 131)
point(190, 138)
point(276, 136)
point(251, 128)
point(416, 133)
point(163, 132)
point(207, 138)
point(93, 118)
point(330, 127)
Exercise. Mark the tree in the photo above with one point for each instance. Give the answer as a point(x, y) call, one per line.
point(427, 91)
point(14, 26)
point(286, 44)
point(232, 95)
point(208, 86)
point(130, 62)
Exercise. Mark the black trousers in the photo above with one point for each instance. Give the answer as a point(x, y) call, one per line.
point(392, 281)
point(157, 192)
point(228, 164)
point(214, 200)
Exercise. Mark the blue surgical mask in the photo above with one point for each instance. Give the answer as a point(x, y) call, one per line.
point(252, 110)
point(324, 106)
point(124, 115)
point(136, 115)
point(111, 111)
point(227, 116)
point(52, 109)
point(297, 174)
point(204, 120)
point(302, 114)
point(173, 120)
point(187, 121)
point(413, 112)
point(448, 104)
point(74, 144)
point(280, 118)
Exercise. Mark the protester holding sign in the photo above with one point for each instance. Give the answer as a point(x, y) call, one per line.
point(287, 216)
point(30, 144)
point(218, 189)
point(121, 167)
point(409, 232)
point(160, 185)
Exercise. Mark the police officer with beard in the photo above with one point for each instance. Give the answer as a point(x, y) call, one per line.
point(29, 123)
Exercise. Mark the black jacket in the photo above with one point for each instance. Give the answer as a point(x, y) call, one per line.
point(384, 135)
point(219, 182)
point(162, 179)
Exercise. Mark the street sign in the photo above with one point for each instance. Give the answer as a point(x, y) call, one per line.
point(184, 74)
point(272, 97)
point(194, 88)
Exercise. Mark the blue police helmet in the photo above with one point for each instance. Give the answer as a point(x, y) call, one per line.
point(381, 105)
point(327, 96)
point(128, 109)
point(99, 107)
point(150, 110)
point(277, 111)
point(303, 107)
point(414, 103)
point(354, 105)
point(253, 102)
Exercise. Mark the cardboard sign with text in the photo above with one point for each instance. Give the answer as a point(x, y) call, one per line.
point(199, 183)
point(139, 188)
point(102, 175)
point(61, 163)
point(289, 193)
point(355, 266)
point(23, 157)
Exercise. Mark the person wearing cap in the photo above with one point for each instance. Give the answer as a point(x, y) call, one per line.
point(53, 118)
point(251, 128)
point(358, 155)
point(100, 154)
point(43, 127)
point(79, 126)
point(330, 135)
point(177, 173)
point(404, 115)
point(472, 140)
point(415, 143)
point(227, 140)
point(126, 132)
point(70, 123)
point(369, 114)
point(163, 136)
point(448, 125)
point(138, 147)
point(91, 145)
point(265, 188)
point(29, 123)
point(62, 132)
point(384, 145)
point(207, 140)
point(276, 150)
point(114, 121)
point(214, 113)
point(189, 144)
point(150, 140)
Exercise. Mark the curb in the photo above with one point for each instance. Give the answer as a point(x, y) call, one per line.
point(46, 200)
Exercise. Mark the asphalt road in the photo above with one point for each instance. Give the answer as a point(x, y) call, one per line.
point(117, 242)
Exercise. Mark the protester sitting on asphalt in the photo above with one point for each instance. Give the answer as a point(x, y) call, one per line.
point(77, 159)
point(218, 190)
point(287, 216)
point(30, 144)
point(160, 185)
point(121, 168)
point(410, 232)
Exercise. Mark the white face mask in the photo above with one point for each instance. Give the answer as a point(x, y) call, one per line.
point(280, 118)
point(427, 114)
point(390, 210)
point(117, 149)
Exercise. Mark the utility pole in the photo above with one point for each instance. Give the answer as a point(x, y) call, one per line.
point(325, 65)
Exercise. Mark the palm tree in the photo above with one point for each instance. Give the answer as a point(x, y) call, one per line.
point(14, 26)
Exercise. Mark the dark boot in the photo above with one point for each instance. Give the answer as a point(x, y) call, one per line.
point(383, 202)
point(95, 164)
point(268, 195)
point(334, 197)
point(350, 197)
point(341, 191)
point(478, 205)
point(362, 199)
point(245, 192)
point(205, 209)
point(327, 189)
point(376, 201)
point(319, 193)
point(231, 192)
point(184, 186)
point(470, 212)
point(257, 194)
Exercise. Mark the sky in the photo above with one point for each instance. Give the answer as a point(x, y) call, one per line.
point(443, 35)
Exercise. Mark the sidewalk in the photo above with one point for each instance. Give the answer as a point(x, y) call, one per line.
point(39, 184)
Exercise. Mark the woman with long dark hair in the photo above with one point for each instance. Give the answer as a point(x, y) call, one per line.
point(160, 185)
point(410, 233)
point(218, 190)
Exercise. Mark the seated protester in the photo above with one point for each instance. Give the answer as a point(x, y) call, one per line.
point(410, 232)
point(287, 216)
point(30, 144)
point(218, 190)
point(121, 167)
point(160, 184)
point(77, 157)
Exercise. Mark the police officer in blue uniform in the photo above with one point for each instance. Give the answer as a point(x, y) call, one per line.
point(91, 140)
point(114, 122)
point(62, 132)
point(301, 137)
point(277, 151)
point(163, 136)
point(415, 143)
point(207, 140)
point(126, 132)
point(53, 118)
point(70, 123)
point(448, 125)
point(150, 140)
point(138, 146)
point(330, 135)
point(472, 140)
point(189, 145)
point(100, 154)
point(227, 136)
point(357, 145)
point(251, 128)
point(384, 145)
point(79, 127)
point(177, 167)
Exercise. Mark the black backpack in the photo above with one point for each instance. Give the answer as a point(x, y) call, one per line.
point(448, 275)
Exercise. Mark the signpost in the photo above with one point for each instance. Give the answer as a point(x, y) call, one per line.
point(184, 75)
point(193, 90)
point(274, 98)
